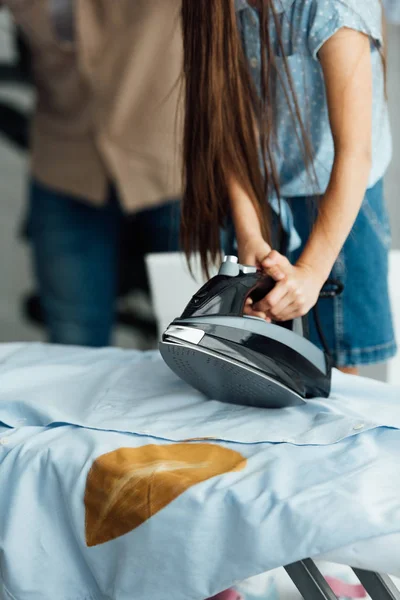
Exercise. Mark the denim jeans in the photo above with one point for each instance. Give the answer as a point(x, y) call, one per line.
point(358, 324)
point(76, 257)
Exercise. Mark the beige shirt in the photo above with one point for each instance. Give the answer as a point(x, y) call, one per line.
point(107, 103)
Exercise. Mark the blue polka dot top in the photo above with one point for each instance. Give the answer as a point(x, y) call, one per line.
point(305, 26)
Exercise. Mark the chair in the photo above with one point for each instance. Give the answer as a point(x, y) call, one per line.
point(171, 285)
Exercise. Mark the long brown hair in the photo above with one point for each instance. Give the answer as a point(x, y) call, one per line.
point(229, 126)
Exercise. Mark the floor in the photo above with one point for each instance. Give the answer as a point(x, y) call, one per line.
point(15, 272)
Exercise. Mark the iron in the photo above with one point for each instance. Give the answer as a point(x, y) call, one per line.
point(239, 359)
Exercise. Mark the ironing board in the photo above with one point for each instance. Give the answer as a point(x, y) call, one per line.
point(66, 409)
point(313, 586)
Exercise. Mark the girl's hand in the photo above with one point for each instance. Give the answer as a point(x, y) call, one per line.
point(295, 293)
point(253, 252)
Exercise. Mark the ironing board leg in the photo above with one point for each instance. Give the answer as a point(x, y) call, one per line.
point(310, 582)
point(379, 587)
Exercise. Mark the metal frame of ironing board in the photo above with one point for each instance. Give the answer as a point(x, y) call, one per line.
point(312, 585)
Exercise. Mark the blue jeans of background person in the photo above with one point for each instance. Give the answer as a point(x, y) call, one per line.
point(76, 259)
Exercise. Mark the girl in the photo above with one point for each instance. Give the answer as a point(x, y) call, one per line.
point(285, 101)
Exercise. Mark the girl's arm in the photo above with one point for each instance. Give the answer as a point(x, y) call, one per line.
point(251, 245)
point(346, 63)
point(252, 248)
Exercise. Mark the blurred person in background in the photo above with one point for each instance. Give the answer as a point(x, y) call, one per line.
point(103, 144)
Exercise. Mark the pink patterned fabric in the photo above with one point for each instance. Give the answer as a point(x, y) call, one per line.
point(230, 594)
point(346, 590)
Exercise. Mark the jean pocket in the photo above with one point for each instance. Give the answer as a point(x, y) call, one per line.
point(375, 211)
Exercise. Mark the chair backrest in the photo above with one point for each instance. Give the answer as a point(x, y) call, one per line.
point(393, 375)
point(171, 285)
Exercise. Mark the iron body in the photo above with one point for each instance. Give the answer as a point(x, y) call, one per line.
point(243, 360)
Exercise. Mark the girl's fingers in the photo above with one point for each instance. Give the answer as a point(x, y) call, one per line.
point(280, 290)
point(275, 259)
point(275, 272)
point(250, 312)
point(289, 313)
point(276, 265)
point(279, 309)
point(275, 296)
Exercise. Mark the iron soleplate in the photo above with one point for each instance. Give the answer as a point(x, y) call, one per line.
point(221, 378)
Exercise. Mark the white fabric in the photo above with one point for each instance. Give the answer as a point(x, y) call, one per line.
point(135, 392)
